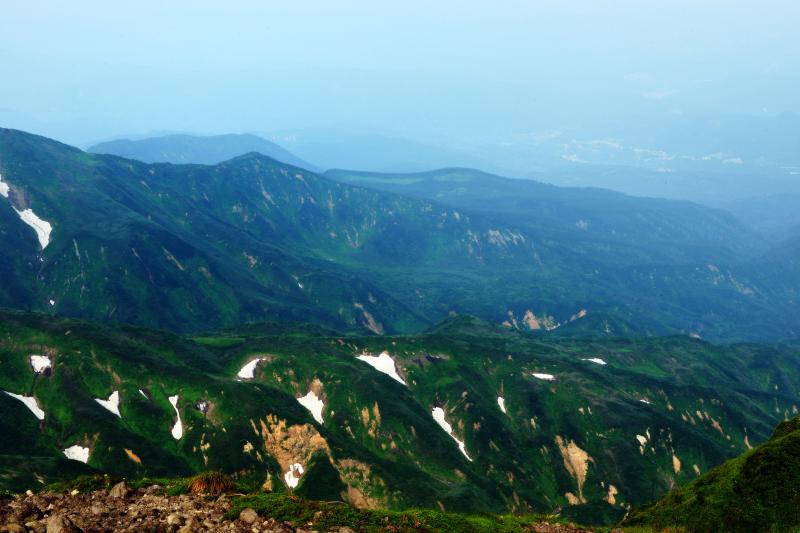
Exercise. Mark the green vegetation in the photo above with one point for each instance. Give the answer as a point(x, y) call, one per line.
point(755, 492)
point(592, 441)
point(191, 248)
point(95, 482)
point(331, 515)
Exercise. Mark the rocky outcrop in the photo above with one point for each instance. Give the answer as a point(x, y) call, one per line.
point(123, 509)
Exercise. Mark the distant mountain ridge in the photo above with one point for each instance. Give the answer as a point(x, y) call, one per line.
point(204, 150)
point(193, 247)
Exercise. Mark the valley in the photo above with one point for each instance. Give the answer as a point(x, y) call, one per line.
point(467, 415)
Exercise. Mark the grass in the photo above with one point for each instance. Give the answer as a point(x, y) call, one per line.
point(329, 515)
point(219, 342)
point(92, 483)
point(754, 492)
point(381, 436)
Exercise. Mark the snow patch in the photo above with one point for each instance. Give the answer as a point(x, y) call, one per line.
point(41, 227)
point(3, 187)
point(143, 394)
point(545, 377)
point(383, 363)
point(645, 400)
point(438, 415)
point(293, 475)
point(112, 404)
point(314, 404)
point(77, 453)
point(501, 402)
point(248, 371)
point(595, 360)
point(177, 429)
point(40, 363)
point(30, 402)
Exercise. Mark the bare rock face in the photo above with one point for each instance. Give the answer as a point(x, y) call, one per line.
point(248, 516)
point(59, 523)
point(120, 490)
point(174, 519)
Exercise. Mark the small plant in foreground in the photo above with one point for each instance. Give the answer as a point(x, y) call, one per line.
point(213, 483)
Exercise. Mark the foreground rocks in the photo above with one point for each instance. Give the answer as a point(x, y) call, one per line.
point(123, 509)
point(150, 510)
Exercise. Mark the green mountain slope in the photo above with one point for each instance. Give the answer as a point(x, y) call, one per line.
point(192, 247)
point(661, 251)
point(204, 150)
point(589, 427)
point(754, 492)
point(612, 228)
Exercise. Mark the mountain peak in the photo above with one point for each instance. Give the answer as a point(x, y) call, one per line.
point(205, 150)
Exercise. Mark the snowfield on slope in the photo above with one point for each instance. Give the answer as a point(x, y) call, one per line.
point(40, 363)
point(30, 402)
point(177, 429)
point(438, 415)
point(314, 404)
point(292, 476)
point(3, 188)
point(41, 227)
point(383, 363)
point(248, 371)
point(77, 453)
point(595, 360)
point(112, 403)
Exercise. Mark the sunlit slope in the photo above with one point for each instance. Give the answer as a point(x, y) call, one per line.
point(473, 416)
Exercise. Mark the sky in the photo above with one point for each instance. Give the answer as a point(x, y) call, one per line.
point(451, 72)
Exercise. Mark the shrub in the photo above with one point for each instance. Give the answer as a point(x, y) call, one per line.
point(213, 483)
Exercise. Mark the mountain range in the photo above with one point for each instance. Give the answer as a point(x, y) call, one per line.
point(208, 150)
point(190, 247)
point(449, 338)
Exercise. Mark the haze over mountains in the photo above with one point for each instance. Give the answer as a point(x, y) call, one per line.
point(253, 238)
point(360, 266)
point(177, 148)
point(741, 164)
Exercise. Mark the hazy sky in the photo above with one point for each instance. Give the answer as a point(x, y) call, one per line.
point(85, 70)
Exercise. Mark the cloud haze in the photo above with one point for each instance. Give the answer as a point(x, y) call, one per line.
point(455, 71)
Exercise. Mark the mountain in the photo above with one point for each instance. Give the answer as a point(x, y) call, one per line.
point(342, 148)
point(754, 492)
point(468, 416)
point(774, 216)
point(204, 150)
point(676, 231)
point(656, 246)
point(193, 247)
